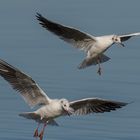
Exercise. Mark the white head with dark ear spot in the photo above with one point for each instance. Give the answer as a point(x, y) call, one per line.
point(66, 106)
point(116, 39)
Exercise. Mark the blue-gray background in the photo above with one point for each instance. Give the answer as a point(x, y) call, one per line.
point(53, 64)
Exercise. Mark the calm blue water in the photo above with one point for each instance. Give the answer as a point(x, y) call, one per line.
point(53, 64)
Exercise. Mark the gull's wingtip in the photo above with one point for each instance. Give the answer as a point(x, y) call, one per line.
point(40, 18)
point(38, 15)
point(130, 102)
point(125, 103)
point(138, 33)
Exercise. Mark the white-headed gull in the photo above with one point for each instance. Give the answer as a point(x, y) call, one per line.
point(49, 109)
point(93, 46)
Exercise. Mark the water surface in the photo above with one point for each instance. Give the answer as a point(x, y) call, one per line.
point(53, 64)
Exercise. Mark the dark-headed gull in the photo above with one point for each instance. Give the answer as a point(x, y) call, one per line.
point(49, 109)
point(93, 46)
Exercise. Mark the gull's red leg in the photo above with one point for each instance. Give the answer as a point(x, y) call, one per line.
point(42, 131)
point(99, 69)
point(36, 131)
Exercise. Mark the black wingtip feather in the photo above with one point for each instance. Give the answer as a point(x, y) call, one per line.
point(40, 18)
point(38, 15)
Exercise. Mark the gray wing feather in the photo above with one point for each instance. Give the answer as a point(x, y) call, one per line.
point(94, 105)
point(26, 86)
point(75, 37)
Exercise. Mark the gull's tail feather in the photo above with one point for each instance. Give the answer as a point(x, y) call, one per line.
point(85, 63)
point(104, 58)
point(30, 115)
point(37, 118)
point(93, 61)
point(53, 123)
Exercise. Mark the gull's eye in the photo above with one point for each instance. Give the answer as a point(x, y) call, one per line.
point(64, 105)
point(115, 39)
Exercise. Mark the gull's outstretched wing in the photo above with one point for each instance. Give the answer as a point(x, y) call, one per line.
point(128, 36)
point(77, 38)
point(26, 86)
point(94, 105)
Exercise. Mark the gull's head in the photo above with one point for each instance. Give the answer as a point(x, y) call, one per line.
point(66, 106)
point(116, 39)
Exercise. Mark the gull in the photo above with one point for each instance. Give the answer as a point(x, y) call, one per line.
point(49, 109)
point(94, 47)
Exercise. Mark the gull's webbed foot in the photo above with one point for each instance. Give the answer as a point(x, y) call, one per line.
point(99, 71)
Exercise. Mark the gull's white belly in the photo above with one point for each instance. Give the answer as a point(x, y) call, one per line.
point(98, 48)
point(49, 111)
point(95, 51)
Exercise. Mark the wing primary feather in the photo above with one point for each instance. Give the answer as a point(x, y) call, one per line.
point(95, 105)
point(71, 35)
point(24, 84)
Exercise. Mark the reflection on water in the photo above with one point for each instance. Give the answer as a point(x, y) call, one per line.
point(53, 64)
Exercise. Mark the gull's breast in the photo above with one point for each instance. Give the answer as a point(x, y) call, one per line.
point(50, 111)
point(103, 43)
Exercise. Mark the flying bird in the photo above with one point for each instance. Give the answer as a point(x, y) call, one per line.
point(94, 47)
point(49, 109)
